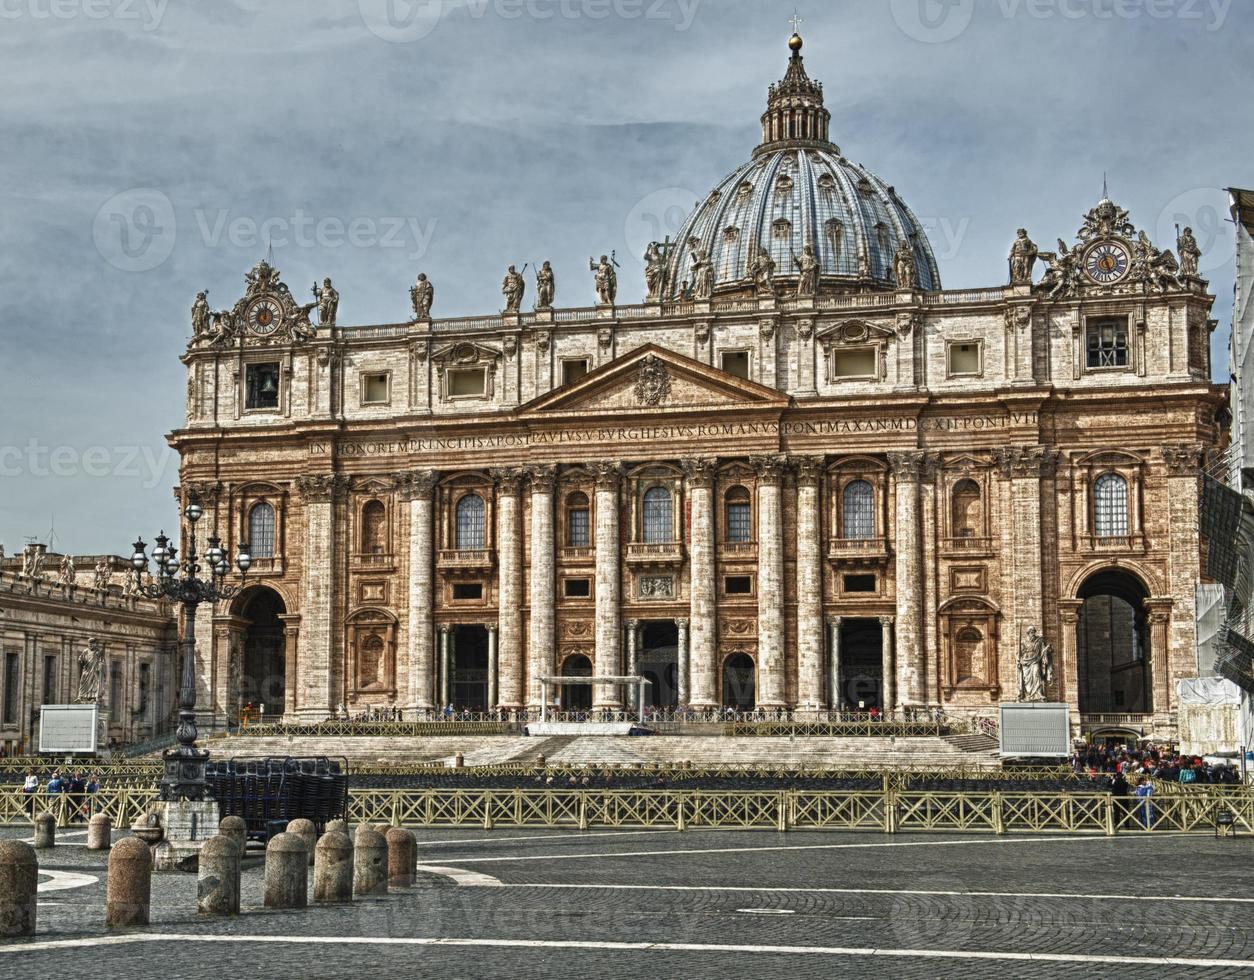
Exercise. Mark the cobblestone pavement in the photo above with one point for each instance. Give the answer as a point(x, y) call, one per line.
point(535, 903)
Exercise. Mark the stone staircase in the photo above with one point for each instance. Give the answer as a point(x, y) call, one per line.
point(978, 742)
point(712, 750)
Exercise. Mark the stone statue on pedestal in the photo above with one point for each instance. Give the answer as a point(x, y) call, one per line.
point(546, 286)
point(1036, 666)
point(422, 295)
point(512, 288)
point(1190, 253)
point(1023, 254)
point(91, 664)
point(654, 272)
point(328, 302)
point(69, 574)
point(606, 280)
point(807, 264)
point(102, 574)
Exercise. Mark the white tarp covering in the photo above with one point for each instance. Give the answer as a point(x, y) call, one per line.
point(68, 728)
point(1214, 716)
point(1211, 610)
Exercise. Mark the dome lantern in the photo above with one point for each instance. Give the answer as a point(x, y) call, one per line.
point(795, 115)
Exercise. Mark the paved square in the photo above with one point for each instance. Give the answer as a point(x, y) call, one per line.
point(536, 903)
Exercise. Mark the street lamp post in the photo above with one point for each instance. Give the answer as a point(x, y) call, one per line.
point(183, 777)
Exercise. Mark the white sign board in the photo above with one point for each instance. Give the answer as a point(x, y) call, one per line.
point(1033, 730)
point(69, 728)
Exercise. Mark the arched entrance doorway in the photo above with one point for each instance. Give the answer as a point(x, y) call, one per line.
point(576, 697)
point(1112, 645)
point(263, 679)
point(738, 682)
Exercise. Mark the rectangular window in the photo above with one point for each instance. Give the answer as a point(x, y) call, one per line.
point(12, 680)
point(467, 383)
point(964, 359)
point(374, 389)
point(578, 588)
point(467, 590)
point(50, 680)
point(1108, 343)
point(115, 690)
point(736, 363)
point(739, 523)
point(859, 583)
point(578, 529)
point(145, 681)
point(573, 370)
point(738, 585)
point(857, 362)
point(261, 385)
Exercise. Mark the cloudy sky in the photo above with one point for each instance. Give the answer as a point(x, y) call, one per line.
point(150, 148)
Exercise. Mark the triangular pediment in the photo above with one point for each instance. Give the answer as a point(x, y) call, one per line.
point(651, 379)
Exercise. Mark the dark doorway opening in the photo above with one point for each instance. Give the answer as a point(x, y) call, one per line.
point(659, 661)
point(1112, 646)
point(738, 682)
point(576, 697)
point(263, 680)
point(861, 664)
point(469, 669)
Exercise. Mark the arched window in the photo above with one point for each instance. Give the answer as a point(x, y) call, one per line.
point(578, 521)
point(261, 531)
point(859, 510)
point(1110, 506)
point(969, 654)
point(739, 515)
point(658, 525)
point(968, 519)
point(470, 512)
point(373, 528)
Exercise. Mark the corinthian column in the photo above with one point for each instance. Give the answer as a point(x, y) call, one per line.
point(702, 659)
point(681, 656)
point(509, 585)
point(319, 495)
point(416, 489)
point(810, 686)
point(907, 468)
point(609, 629)
point(771, 678)
point(540, 641)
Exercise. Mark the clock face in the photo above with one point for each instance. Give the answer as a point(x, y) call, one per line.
point(264, 316)
point(1107, 262)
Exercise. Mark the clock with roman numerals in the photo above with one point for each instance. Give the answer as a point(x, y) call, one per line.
point(1107, 262)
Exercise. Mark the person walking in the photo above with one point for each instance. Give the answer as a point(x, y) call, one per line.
point(29, 787)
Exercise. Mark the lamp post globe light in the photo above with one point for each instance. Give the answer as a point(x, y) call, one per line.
point(179, 580)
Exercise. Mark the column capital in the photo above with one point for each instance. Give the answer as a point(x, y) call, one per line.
point(321, 487)
point(1159, 609)
point(888, 620)
point(908, 465)
point(508, 478)
point(445, 628)
point(607, 473)
point(770, 468)
point(809, 469)
point(543, 478)
point(1182, 460)
point(415, 484)
point(699, 473)
point(833, 621)
point(632, 624)
point(681, 623)
point(1025, 462)
point(491, 627)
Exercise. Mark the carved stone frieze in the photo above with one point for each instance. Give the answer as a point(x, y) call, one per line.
point(653, 381)
point(1182, 460)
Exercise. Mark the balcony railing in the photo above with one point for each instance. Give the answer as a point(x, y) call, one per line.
point(469, 558)
point(739, 549)
point(1122, 719)
point(1114, 543)
point(374, 560)
point(665, 553)
point(966, 545)
point(583, 553)
point(844, 549)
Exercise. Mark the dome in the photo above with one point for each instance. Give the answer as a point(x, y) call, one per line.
point(799, 190)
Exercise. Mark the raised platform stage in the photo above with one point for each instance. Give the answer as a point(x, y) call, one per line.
point(582, 728)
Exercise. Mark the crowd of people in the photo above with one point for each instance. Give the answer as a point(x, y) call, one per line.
point(77, 787)
point(1150, 762)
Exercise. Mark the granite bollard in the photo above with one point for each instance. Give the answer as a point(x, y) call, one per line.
point(128, 892)
point(237, 829)
point(99, 833)
point(45, 831)
point(287, 873)
point(306, 831)
point(401, 848)
point(333, 868)
point(218, 877)
point(19, 881)
point(370, 862)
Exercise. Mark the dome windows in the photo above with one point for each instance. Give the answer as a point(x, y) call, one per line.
point(781, 230)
